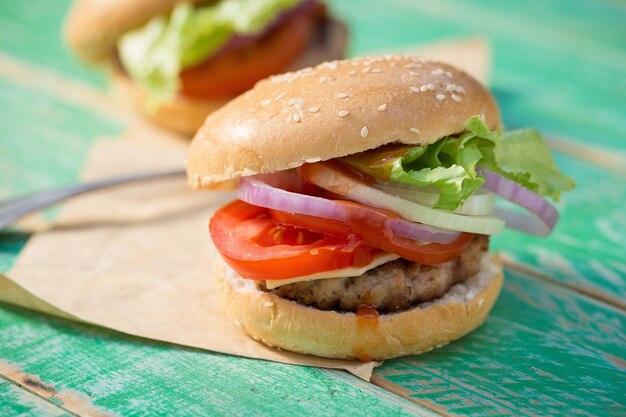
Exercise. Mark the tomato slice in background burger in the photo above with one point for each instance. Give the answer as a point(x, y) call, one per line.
point(372, 229)
point(257, 247)
point(233, 72)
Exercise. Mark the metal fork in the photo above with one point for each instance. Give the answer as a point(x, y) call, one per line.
point(13, 209)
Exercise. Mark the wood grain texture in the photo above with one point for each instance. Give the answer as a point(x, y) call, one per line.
point(31, 32)
point(18, 402)
point(68, 400)
point(543, 351)
point(132, 377)
point(45, 139)
point(587, 247)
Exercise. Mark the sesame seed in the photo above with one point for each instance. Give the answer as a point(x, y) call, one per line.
point(366, 70)
point(376, 70)
point(265, 102)
point(427, 87)
point(342, 95)
point(364, 132)
point(291, 102)
point(480, 302)
point(332, 65)
point(268, 304)
point(413, 73)
point(323, 79)
point(314, 109)
point(297, 118)
point(414, 89)
point(440, 96)
point(438, 71)
point(455, 88)
point(342, 113)
point(455, 97)
point(382, 107)
point(449, 74)
point(280, 96)
point(353, 72)
point(415, 130)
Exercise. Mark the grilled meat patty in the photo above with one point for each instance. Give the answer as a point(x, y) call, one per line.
point(396, 285)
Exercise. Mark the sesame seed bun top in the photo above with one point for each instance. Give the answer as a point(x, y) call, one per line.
point(335, 109)
point(92, 27)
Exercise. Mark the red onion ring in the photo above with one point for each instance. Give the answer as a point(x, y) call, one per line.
point(543, 215)
point(256, 190)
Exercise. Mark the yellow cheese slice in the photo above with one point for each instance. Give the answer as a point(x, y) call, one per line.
point(337, 273)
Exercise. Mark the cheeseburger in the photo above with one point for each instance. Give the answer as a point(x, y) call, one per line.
point(178, 61)
point(366, 200)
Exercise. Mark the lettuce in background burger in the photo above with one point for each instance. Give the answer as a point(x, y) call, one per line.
point(179, 61)
point(366, 201)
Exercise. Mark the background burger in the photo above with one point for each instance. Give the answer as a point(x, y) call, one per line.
point(179, 61)
point(365, 205)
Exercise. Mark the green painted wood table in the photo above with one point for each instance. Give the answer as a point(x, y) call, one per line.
point(555, 343)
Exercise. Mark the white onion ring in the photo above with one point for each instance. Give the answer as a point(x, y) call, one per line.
point(542, 216)
point(256, 190)
point(334, 179)
point(476, 205)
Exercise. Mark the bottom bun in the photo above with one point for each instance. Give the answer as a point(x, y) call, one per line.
point(185, 115)
point(282, 323)
point(182, 115)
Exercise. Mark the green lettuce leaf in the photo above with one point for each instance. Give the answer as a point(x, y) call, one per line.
point(524, 157)
point(450, 163)
point(156, 53)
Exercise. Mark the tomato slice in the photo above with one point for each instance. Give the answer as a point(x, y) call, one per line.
point(236, 71)
point(259, 248)
point(372, 229)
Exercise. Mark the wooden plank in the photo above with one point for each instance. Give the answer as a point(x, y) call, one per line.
point(119, 373)
point(31, 31)
point(543, 351)
point(587, 247)
point(70, 90)
point(44, 139)
point(18, 402)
